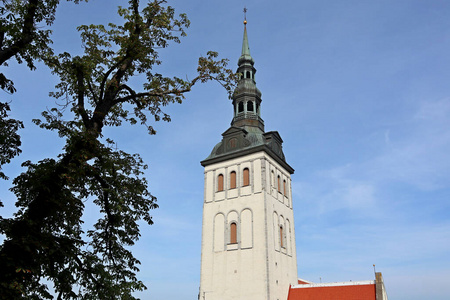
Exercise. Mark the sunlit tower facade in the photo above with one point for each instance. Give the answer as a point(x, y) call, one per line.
point(248, 236)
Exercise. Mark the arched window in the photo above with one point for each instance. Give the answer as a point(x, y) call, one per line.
point(220, 183)
point(233, 233)
point(279, 184)
point(284, 188)
point(247, 75)
point(250, 106)
point(272, 179)
point(281, 237)
point(246, 178)
point(233, 180)
point(240, 107)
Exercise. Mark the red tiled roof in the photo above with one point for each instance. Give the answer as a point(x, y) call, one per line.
point(301, 281)
point(333, 292)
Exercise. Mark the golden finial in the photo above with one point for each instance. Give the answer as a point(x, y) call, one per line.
point(245, 15)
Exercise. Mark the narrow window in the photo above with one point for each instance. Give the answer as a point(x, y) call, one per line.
point(279, 184)
point(220, 183)
point(233, 180)
point(233, 233)
point(281, 237)
point(284, 187)
point(232, 143)
point(240, 107)
point(246, 177)
point(250, 106)
point(272, 179)
point(247, 74)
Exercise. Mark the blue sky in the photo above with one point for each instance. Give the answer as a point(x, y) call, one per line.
point(360, 93)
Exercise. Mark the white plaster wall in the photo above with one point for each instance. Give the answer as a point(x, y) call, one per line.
point(254, 268)
point(282, 261)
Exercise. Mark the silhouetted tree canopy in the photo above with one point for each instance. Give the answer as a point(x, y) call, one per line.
point(46, 239)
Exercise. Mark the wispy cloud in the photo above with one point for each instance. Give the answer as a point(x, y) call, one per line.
point(420, 155)
point(417, 153)
point(366, 211)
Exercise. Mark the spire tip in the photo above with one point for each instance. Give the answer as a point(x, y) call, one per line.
point(245, 15)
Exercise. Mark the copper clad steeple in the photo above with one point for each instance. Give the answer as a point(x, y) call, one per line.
point(247, 97)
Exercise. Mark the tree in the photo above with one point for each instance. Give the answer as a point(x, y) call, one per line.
point(20, 36)
point(46, 239)
point(9, 139)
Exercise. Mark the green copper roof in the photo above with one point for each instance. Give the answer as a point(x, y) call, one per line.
point(245, 47)
point(245, 54)
point(246, 134)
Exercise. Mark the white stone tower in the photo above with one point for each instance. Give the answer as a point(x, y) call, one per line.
point(248, 238)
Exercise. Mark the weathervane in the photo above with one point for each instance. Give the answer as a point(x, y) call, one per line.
point(245, 15)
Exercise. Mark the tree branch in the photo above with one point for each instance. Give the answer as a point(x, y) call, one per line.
point(105, 77)
point(2, 35)
point(94, 97)
point(88, 272)
point(174, 91)
point(27, 33)
point(80, 94)
point(105, 186)
point(107, 100)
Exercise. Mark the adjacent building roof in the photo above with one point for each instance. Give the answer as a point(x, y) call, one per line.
point(357, 290)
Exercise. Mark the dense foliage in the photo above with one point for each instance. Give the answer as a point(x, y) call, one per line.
point(46, 239)
point(9, 138)
point(23, 34)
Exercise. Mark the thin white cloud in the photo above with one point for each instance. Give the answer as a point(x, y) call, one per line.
point(387, 139)
point(417, 154)
point(397, 233)
point(420, 156)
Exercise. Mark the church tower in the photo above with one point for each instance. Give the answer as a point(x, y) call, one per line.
point(248, 238)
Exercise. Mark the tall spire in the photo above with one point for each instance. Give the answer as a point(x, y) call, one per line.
point(245, 54)
point(247, 97)
point(245, 47)
point(246, 134)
